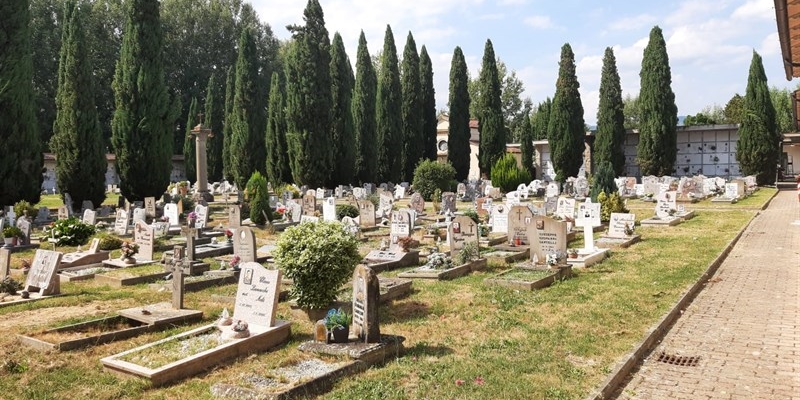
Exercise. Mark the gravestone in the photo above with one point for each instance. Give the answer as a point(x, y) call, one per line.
point(89, 217)
point(568, 189)
point(519, 219)
point(732, 191)
point(139, 215)
point(399, 192)
point(150, 207)
point(160, 228)
point(68, 203)
point(329, 209)
point(483, 206)
point(87, 205)
point(448, 203)
point(25, 226)
point(619, 223)
point(202, 216)
point(295, 210)
point(191, 242)
point(500, 219)
point(495, 193)
point(547, 236)
point(366, 299)
point(351, 226)
point(461, 190)
point(417, 203)
point(369, 188)
point(43, 216)
point(178, 279)
point(63, 212)
point(234, 216)
point(121, 222)
point(144, 237)
point(385, 205)
point(400, 228)
point(550, 205)
point(257, 294)
point(581, 188)
point(522, 190)
point(366, 213)
point(42, 275)
point(461, 231)
point(664, 203)
point(286, 196)
point(319, 194)
point(5, 262)
point(171, 212)
point(588, 217)
point(309, 205)
point(359, 193)
point(552, 190)
point(565, 208)
point(244, 244)
point(512, 199)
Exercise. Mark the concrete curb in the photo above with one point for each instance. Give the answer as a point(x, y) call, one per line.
point(626, 364)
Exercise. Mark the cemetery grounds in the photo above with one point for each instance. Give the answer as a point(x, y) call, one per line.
point(464, 339)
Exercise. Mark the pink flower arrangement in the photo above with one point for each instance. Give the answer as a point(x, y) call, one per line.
point(234, 263)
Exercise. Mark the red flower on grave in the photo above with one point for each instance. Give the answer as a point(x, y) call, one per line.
point(228, 233)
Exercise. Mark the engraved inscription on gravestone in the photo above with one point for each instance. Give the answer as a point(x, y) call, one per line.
point(244, 244)
point(143, 236)
point(257, 294)
point(366, 296)
point(42, 275)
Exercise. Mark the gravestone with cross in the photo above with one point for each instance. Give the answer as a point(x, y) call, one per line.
point(461, 231)
point(366, 299)
point(519, 219)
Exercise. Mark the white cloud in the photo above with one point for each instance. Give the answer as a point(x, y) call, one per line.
point(770, 46)
point(755, 9)
point(512, 2)
point(691, 11)
point(540, 22)
point(633, 23)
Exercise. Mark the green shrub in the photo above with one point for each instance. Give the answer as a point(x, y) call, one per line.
point(469, 253)
point(186, 201)
point(610, 204)
point(507, 175)
point(319, 257)
point(343, 210)
point(431, 175)
point(258, 194)
point(603, 181)
point(22, 207)
point(374, 199)
point(108, 242)
point(436, 197)
point(71, 232)
point(473, 214)
point(12, 231)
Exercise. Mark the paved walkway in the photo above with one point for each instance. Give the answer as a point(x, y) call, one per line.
point(744, 326)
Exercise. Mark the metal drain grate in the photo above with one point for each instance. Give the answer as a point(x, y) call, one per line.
point(681, 361)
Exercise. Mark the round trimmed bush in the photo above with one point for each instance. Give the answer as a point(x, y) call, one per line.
point(431, 175)
point(343, 210)
point(319, 257)
point(507, 175)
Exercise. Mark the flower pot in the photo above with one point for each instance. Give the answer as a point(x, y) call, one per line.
point(190, 222)
point(339, 334)
point(518, 242)
point(9, 241)
point(129, 260)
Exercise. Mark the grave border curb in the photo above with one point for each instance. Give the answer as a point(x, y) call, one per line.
point(656, 333)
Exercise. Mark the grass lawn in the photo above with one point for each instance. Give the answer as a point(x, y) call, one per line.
point(464, 340)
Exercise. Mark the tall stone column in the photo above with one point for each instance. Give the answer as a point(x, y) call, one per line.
point(201, 136)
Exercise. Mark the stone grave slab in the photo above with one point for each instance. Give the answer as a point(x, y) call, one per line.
point(244, 244)
point(500, 219)
point(42, 280)
point(547, 236)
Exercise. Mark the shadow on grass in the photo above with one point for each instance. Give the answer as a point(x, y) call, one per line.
point(403, 311)
point(424, 349)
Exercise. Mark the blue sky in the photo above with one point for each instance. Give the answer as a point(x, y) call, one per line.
point(710, 43)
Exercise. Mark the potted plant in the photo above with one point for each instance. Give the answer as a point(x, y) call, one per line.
point(128, 250)
point(183, 187)
point(572, 253)
point(337, 324)
point(319, 257)
point(10, 235)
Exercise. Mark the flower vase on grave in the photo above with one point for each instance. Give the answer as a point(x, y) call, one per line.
point(129, 260)
point(191, 221)
point(339, 334)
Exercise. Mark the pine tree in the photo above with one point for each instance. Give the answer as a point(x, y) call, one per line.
point(610, 138)
point(542, 119)
point(278, 170)
point(757, 149)
point(458, 135)
point(411, 111)
point(429, 121)
point(308, 101)
point(364, 115)
point(213, 120)
point(566, 129)
point(657, 148)
point(77, 139)
point(342, 135)
point(189, 146)
point(388, 114)
point(227, 128)
point(143, 119)
point(490, 113)
point(526, 145)
point(245, 139)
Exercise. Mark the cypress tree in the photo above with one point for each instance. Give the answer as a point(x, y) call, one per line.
point(609, 144)
point(309, 98)
point(77, 139)
point(388, 114)
point(757, 149)
point(526, 145)
point(542, 119)
point(213, 120)
point(245, 139)
point(278, 170)
point(342, 135)
point(657, 148)
point(565, 128)
point(458, 133)
point(364, 115)
point(189, 146)
point(490, 113)
point(429, 121)
point(143, 118)
point(411, 110)
point(20, 153)
point(227, 129)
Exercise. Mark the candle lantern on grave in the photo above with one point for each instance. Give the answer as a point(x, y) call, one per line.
point(202, 133)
